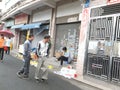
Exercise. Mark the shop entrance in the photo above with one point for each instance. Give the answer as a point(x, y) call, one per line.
point(23, 36)
point(67, 35)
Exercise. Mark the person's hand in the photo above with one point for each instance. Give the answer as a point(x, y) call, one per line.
point(36, 57)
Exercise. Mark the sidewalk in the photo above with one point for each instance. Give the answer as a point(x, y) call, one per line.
point(104, 85)
point(53, 64)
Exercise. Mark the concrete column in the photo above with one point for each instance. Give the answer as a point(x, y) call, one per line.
point(53, 30)
point(83, 41)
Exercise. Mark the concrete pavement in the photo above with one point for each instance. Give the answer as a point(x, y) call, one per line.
point(9, 80)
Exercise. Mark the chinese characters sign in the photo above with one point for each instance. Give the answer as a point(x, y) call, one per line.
point(21, 19)
point(113, 1)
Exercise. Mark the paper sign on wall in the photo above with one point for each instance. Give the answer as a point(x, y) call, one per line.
point(113, 1)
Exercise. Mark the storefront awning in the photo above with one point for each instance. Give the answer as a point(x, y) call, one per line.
point(31, 26)
point(43, 28)
point(17, 26)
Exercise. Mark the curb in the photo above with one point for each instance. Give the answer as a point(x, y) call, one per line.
point(101, 87)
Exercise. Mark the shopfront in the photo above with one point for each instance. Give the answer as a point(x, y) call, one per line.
point(43, 17)
point(36, 29)
point(67, 34)
point(103, 49)
point(20, 35)
point(68, 28)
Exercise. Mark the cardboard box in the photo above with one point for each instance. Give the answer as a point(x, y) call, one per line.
point(58, 54)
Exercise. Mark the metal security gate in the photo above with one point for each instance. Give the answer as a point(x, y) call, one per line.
point(104, 48)
point(68, 35)
point(115, 72)
point(100, 46)
point(103, 57)
point(98, 66)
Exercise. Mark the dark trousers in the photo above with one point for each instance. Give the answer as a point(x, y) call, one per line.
point(62, 58)
point(8, 50)
point(1, 53)
point(25, 68)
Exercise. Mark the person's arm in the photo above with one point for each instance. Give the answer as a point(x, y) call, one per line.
point(66, 54)
point(38, 49)
point(48, 49)
point(26, 47)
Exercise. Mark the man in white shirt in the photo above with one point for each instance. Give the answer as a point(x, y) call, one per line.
point(8, 43)
point(42, 49)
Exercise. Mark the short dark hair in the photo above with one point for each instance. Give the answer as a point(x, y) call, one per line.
point(46, 36)
point(2, 35)
point(31, 36)
point(64, 48)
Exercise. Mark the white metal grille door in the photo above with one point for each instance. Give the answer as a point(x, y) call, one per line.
point(100, 39)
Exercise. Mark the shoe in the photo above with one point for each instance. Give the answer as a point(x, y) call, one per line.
point(37, 80)
point(1, 61)
point(19, 74)
point(43, 80)
point(25, 77)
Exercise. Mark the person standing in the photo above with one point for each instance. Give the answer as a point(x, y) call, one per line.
point(41, 73)
point(2, 42)
point(8, 43)
point(24, 72)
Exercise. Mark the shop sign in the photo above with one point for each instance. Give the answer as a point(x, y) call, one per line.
point(72, 19)
point(113, 1)
point(21, 19)
point(84, 24)
point(9, 23)
point(68, 19)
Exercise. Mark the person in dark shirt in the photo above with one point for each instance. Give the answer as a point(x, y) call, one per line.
point(24, 72)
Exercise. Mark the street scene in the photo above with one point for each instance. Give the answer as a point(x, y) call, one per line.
point(59, 44)
point(10, 81)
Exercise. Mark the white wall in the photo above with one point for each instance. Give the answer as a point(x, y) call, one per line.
point(69, 9)
point(42, 15)
point(7, 4)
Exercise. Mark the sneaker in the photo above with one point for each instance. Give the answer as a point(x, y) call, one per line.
point(43, 80)
point(25, 77)
point(1, 61)
point(37, 80)
point(19, 74)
